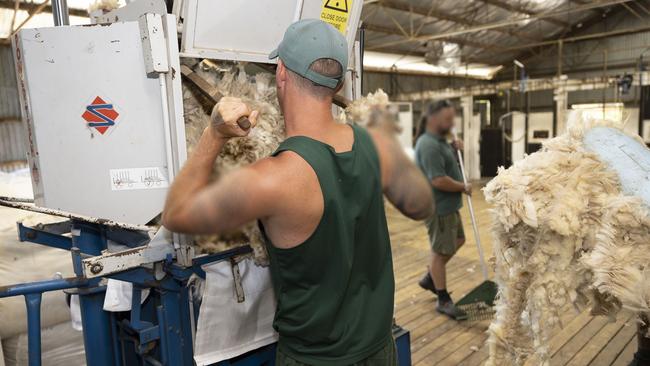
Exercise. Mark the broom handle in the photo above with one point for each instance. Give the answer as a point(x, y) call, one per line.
point(471, 215)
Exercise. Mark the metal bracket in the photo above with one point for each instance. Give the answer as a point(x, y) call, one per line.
point(153, 43)
point(49, 234)
point(127, 259)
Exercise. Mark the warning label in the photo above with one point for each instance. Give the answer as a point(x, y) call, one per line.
point(337, 13)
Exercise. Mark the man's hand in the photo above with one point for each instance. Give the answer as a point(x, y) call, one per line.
point(225, 115)
point(458, 145)
point(468, 189)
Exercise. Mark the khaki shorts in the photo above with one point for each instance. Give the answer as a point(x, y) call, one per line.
point(444, 232)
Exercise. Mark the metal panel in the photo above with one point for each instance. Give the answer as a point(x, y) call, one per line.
point(76, 163)
point(222, 29)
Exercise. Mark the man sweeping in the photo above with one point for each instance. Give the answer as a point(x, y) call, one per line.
point(437, 160)
point(319, 201)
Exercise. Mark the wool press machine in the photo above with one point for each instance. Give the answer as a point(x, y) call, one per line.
point(103, 109)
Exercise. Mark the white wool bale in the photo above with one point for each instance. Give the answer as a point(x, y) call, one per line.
point(61, 345)
point(26, 262)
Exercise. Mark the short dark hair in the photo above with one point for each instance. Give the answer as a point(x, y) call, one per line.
point(437, 106)
point(324, 66)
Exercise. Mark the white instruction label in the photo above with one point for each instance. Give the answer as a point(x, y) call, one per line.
point(138, 178)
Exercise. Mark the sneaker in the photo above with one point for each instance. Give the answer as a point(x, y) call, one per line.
point(427, 283)
point(448, 308)
point(640, 359)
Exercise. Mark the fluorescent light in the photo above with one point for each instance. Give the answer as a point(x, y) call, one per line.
point(597, 106)
point(378, 61)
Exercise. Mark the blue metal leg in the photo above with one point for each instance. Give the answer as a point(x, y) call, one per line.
point(186, 321)
point(403, 343)
point(172, 304)
point(162, 324)
point(33, 302)
point(91, 239)
point(98, 338)
point(116, 342)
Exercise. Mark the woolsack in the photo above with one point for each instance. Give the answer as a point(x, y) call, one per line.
point(24, 262)
point(259, 92)
point(564, 233)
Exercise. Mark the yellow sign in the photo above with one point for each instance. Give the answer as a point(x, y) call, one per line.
point(337, 13)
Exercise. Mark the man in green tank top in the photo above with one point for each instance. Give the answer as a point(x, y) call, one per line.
point(319, 200)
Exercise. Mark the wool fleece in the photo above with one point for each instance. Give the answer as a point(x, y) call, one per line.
point(259, 92)
point(564, 234)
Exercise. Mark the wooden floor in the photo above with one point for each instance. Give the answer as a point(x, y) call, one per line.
point(437, 340)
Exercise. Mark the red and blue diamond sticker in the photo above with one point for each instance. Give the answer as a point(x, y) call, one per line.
point(100, 115)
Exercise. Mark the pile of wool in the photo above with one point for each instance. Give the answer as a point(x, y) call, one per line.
point(373, 110)
point(259, 93)
point(360, 110)
point(103, 5)
point(564, 234)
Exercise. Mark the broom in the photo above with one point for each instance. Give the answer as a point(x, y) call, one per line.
point(478, 303)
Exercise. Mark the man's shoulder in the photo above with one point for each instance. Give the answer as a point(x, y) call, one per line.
point(284, 162)
point(427, 142)
point(283, 169)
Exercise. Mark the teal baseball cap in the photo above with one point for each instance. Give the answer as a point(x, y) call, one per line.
point(308, 40)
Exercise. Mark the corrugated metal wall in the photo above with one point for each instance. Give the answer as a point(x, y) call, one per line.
point(13, 141)
point(12, 133)
point(9, 105)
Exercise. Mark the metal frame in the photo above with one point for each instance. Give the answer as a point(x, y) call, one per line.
point(189, 25)
point(159, 332)
point(188, 41)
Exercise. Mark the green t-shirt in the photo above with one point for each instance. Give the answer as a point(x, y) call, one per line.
point(436, 158)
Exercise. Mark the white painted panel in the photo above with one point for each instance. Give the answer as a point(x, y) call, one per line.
point(539, 121)
point(518, 136)
point(259, 25)
point(405, 120)
point(471, 128)
point(248, 30)
point(473, 150)
point(63, 70)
